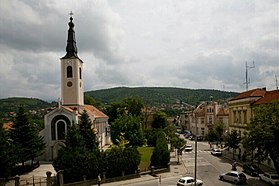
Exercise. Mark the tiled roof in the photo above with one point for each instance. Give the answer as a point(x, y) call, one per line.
point(94, 111)
point(259, 92)
point(223, 112)
point(8, 125)
point(269, 97)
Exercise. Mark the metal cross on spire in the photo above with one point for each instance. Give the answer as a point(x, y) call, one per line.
point(71, 13)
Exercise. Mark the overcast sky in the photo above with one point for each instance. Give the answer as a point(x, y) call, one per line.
point(152, 43)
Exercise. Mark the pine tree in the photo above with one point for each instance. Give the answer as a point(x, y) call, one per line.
point(25, 137)
point(7, 158)
point(91, 143)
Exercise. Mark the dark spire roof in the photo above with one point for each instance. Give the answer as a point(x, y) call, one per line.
point(71, 48)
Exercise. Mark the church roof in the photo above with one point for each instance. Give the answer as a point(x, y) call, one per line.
point(90, 109)
point(94, 111)
point(71, 47)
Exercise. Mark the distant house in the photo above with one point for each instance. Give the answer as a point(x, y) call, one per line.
point(205, 116)
point(71, 106)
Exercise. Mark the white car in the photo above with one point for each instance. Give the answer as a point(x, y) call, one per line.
point(233, 176)
point(272, 178)
point(188, 148)
point(187, 181)
point(216, 152)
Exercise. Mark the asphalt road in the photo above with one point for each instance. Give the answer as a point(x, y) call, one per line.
point(208, 170)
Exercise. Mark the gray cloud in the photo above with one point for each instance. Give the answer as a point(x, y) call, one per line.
point(190, 44)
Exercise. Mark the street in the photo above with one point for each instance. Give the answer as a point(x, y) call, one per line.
point(208, 169)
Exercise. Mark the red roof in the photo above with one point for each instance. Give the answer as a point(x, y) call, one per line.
point(8, 125)
point(223, 112)
point(259, 92)
point(269, 97)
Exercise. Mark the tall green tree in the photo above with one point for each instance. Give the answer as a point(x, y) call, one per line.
point(161, 155)
point(233, 140)
point(130, 126)
point(219, 129)
point(25, 137)
point(263, 133)
point(7, 153)
point(87, 133)
point(160, 120)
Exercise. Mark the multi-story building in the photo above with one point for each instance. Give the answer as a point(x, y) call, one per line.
point(204, 116)
point(240, 109)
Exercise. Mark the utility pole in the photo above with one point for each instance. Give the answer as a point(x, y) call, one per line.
point(247, 82)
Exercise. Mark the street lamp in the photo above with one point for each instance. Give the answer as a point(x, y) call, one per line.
point(196, 144)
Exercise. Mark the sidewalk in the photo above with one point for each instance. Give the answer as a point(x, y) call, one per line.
point(228, 155)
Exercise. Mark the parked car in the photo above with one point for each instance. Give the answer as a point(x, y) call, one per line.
point(233, 176)
point(187, 181)
point(271, 178)
point(199, 137)
point(252, 169)
point(188, 148)
point(216, 152)
point(191, 138)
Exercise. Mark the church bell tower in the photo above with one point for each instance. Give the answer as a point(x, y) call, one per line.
point(72, 72)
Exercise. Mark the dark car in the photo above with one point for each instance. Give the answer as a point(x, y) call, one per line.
point(252, 169)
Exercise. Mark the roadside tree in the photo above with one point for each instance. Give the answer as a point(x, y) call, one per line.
point(233, 140)
point(263, 133)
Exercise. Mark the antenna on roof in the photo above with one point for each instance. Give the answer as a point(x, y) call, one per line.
point(276, 83)
point(247, 82)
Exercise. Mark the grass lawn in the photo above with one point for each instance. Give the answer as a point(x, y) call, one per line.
point(145, 153)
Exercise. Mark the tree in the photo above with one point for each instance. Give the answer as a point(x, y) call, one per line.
point(76, 159)
point(233, 140)
point(160, 120)
point(87, 133)
point(211, 136)
point(130, 126)
point(219, 129)
point(25, 137)
point(263, 132)
point(7, 153)
point(161, 155)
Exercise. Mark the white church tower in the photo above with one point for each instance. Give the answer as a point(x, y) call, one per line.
point(71, 72)
point(60, 119)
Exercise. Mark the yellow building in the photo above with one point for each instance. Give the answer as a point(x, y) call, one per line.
point(240, 109)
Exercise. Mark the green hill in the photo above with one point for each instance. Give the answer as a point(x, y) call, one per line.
point(151, 96)
point(11, 104)
point(160, 95)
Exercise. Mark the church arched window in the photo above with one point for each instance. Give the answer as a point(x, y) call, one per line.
point(69, 72)
point(61, 128)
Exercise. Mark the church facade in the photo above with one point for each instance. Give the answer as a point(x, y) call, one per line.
point(71, 105)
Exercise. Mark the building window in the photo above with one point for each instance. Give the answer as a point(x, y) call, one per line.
point(69, 72)
point(245, 116)
point(239, 117)
point(210, 120)
point(202, 131)
point(202, 120)
point(80, 75)
point(61, 129)
point(234, 117)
